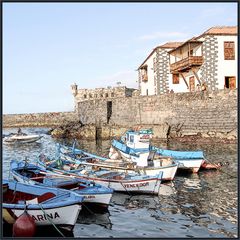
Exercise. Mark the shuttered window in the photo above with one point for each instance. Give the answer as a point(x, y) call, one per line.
point(229, 51)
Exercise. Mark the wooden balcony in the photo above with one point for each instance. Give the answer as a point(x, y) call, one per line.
point(186, 64)
point(144, 78)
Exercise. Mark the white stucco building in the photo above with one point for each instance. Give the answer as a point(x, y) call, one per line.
point(211, 58)
point(154, 73)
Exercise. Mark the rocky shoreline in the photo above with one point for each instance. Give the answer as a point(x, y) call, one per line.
point(163, 132)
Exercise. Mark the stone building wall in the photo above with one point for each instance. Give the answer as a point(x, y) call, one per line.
point(209, 69)
point(213, 114)
point(162, 71)
point(101, 93)
point(50, 119)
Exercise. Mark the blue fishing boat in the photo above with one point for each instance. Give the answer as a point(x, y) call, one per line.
point(46, 206)
point(168, 168)
point(135, 146)
point(95, 195)
point(119, 181)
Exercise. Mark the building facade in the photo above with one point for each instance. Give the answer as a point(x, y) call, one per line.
point(154, 72)
point(209, 59)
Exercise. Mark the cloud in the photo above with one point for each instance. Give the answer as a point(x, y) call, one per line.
point(161, 35)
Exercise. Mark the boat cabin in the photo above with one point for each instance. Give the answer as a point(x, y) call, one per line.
point(138, 140)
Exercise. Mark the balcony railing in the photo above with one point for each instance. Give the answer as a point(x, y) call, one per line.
point(186, 63)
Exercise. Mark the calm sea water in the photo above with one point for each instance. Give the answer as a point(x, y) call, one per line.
point(193, 205)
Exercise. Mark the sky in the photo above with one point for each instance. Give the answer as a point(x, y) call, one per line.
point(49, 46)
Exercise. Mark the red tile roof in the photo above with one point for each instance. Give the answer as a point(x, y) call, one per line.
point(221, 30)
point(171, 45)
point(166, 45)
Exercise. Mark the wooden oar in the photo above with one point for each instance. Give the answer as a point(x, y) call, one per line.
point(101, 165)
point(107, 166)
point(56, 174)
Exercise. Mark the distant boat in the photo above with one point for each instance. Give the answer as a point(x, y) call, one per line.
point(44, 204)
point(21, 138)
point(95, 195)
point(119, 181)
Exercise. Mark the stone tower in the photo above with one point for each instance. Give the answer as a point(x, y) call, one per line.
point(74, 88)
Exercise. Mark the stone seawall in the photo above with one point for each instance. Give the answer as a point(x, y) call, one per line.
point(203, 114)
point(50, 119)
point(207, 114)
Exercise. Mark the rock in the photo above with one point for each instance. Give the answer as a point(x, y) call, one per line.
point(220, 135)
point(75, 130)
point(161, 131)
point(231, 137)
point(211, 134)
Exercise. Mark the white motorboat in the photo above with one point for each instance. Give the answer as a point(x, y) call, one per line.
point(21, 138)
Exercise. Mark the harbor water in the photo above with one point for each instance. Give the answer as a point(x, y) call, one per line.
point(193, 205)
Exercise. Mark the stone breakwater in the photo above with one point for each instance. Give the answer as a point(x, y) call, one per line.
point(50, 119)
point(199, 116)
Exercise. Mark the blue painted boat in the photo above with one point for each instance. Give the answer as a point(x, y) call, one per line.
point(95, 195)
point(169, 171)
point(135, 145)
point(119, 181)
point(45, 205)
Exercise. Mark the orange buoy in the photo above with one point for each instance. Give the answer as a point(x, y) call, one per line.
point(24, 226)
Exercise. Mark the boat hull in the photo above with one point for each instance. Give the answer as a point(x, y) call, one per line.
point(21, 139)
point(190, 164)
point(46, 205)
point(144, 184)
point(186, 160)
point(102, 199)
point(148, 186)
point(169, 171)
point(62, 216)
point(94, 195)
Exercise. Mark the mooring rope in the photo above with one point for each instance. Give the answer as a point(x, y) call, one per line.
point(125, 189)
point(88, 208)
point(219, 169)
point(50, 220)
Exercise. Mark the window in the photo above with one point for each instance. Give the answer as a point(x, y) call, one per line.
point(190, 53)
point(144, 75)
point(85, 96)
point(230, 82)
point(229, 53)
point(175, 78)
